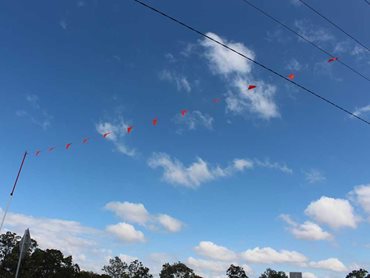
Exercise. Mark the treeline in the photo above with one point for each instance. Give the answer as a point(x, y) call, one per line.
point(51, 263)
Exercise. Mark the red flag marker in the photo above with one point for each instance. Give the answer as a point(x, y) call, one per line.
point(106, 134)
point(51, 149)
point(332, 59)
point(183, 112)
point(85, 140)
point(250, 87)
point(68, 146)
point(155, 121)
point(129, 129)
point(291, 76)
point(216, 100)
point(37, 152)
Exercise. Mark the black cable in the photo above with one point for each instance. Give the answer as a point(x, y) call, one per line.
point(253, 61)
point(335, 25)
point(304, 38)
point(367, 1)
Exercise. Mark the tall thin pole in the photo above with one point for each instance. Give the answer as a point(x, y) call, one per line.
point(11, 193)
point(20, 258)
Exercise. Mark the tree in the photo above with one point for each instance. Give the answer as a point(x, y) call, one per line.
point(270, 273)
point(177, 270)
point(89, 274)
point(116, 268)
point(235, 271)
point(361, 273)
point(138, 270)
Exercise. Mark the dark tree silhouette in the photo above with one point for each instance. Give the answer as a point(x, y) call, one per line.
point(270, 273)
point(235, 271)
point(361, 273)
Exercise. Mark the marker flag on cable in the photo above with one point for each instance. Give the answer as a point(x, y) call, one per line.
point(216, 100)
point(51, 149)
point(37, 153)
point(251, 87)
point(155, 121)
point(85, 140)
point(183, 112)
point(332, 59)
point(129, 129)
point(106, 134)
point(68, 146)
point(291, 76)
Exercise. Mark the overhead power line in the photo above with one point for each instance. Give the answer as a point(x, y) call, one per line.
point(253, 61)
point(335, 25)
point(304, 38)
point(367, 1)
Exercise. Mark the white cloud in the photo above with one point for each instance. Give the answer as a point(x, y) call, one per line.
point(307, 231)
point(294, 65)
point(268, 255)
point(332, 264)
point(274, 165)
point(180, 81)
point(308, 275)
point(223, 61)
point(63, 24)
point(216, 252)
point(169, 223)
point(237, 71)
point(260, 100)
point(336, 213)
point(194, 120)
point(131, 212)
point(362, 110)
point(126, 232)
point(200, 265)
point(38, 116)
point(71, 237)
point(312, 33)
point(118, 130)
point(127, 258)
point(361, 194)
point(137, 213)
point(314, 176)
point(174, 171)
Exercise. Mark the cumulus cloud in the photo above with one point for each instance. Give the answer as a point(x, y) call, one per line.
point(361, 195)
point(307, 231)
point(198, 172)
point(268, 255)
point(131, 212)
point(71, 237)
point(194, 120)
point(308, 275)
point(237, 72)
point(336, 213)
point(332, 264)
point(169, 223)
point(118, 129)
point(136, 213)
point(214, 251)
point(314, 176)
point(126, 232)
point(181, 82)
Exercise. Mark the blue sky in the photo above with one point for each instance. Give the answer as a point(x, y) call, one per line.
point(264, 178)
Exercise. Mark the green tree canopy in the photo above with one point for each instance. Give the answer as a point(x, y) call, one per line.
point(270, 273)
point(118, 269)
point(176, 270)
point(235, 271)
point(361, 273)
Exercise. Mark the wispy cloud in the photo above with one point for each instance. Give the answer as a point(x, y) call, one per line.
point(200, 171)
point(193, 121)
point(362, 110)
point(314, 176)
point(35, 113)
point(118, 129)
point(181, 81)
point(237, 73)
point(312, 32)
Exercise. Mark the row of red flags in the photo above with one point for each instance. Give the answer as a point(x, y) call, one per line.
point(183, 113)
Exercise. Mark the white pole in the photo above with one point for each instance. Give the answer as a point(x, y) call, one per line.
point(5, 212)
point(20, 257)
